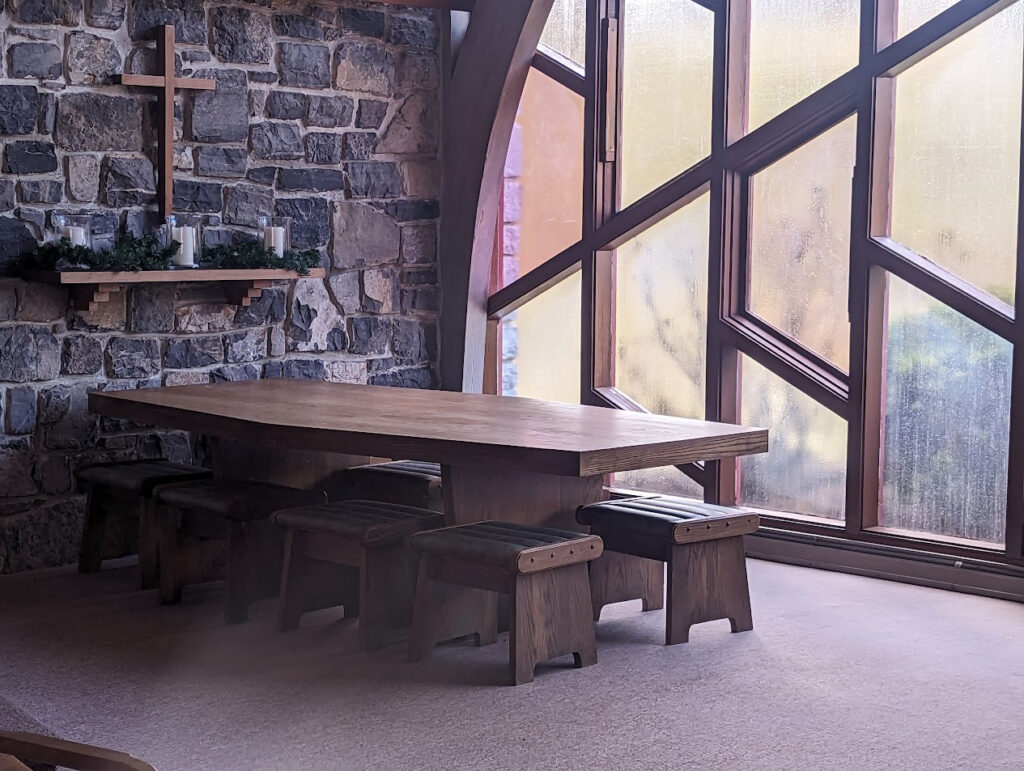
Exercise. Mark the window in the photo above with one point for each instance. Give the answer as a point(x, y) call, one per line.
point(785, 230)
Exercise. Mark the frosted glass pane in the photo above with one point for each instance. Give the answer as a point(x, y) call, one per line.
point(661, 313)
point(947, 422)
point(541, 345)
point(800, 242)
point(566, 30)
point(957, 152)
point(667, 480)
point(796, 47)
point(668, 48)
point(543, 208)
point(804, 470)
point(913, 13)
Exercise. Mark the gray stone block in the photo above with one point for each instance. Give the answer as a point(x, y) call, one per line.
point(133, 357)
point(311, 220)
point(106, 14)
point(19, 109)
point(296, 25)
point(311, 179)
point(366, 66)
point(305, 64)
point(329, 111)
point(187, 16)
point(239, 35)
point(276, 141)
point(40, 190)
point(370, 335)
point(64, 12)
point(323, 148)
point(286, 105)
point(221, 115)
point(91, 121)
point(91, 59)
point(414, 30)
point(30, 157)
point(191, 352)
point(246, 345)
point(28, 352)
point(83, 175)
point(34, 60)
point(374, 179)
point(81, 355)
point(151, 307)
point(128, 181)
point(363, 236)
point(362, 21)
point(371, 113)
point(246, 203)
point(20, 415)
point(221, 161)
point(193, 196)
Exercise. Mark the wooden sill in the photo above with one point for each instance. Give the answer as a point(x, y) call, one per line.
point(89, 289)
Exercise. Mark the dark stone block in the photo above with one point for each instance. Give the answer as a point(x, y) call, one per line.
point(286, 105)
point(30, 157)
point(365, 65)
point(139, 222)
point(187, 16)
point(360, 21)
point(133, 357)
point(245, 203)
point(17, 463)
point(19, 109)
point(358, 146)
point(21, 410)
point(294, 25)
point(221, 115)
point(323, 148)
point(276, 141)
point(412, 210)
point(28, 352)
point(374, 179)
point(303, 64)
point(420, 377)
point(239, 35)
point(106, 14)
point(221, 161)
point(311, 179)
point(329, 111)
point(82, 355)
point(235, 373)
point(64, 12)
point(414, 31)
point(91, 59)
point(420, 299)
point(370, 334)
point(7, 198)
point(197, 196)
point(264, 175)
point(371, 113)
point(246, 345)
point(268, 309)
point(299, 369)
point(189, 352)
point(151, 307)
point(311, 220)
point(90, 121)
point(128, 181)
point(263, 77)
point(76, 427)
point(40, 191)
point(35, 60)
point(414, 340)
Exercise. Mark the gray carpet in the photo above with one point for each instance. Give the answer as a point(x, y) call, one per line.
point(840, 672)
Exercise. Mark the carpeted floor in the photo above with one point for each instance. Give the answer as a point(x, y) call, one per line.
point(840, 672)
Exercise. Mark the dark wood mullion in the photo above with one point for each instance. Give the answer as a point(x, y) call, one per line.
point(1015, 478)
point(560, 73)
point(942, 284)
point(536, 281)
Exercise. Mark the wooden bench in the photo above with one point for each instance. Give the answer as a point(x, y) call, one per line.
point(405, 482)
point(355, 554)
point(124, 489)
point(196, 520)
point(18, 749)
point(542, 569)
point(702, 544)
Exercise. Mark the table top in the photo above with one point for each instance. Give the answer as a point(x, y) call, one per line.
point(439, 426)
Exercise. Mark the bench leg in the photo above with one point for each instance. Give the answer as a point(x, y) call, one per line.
point(386, 587)
point(91, 554)
point(445, 611)
point(617, 577)
point(149, 560)
point(551, 616)
point(707, 581)
point(169, 549)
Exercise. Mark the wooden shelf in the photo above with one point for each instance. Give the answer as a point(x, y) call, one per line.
point(89, 289)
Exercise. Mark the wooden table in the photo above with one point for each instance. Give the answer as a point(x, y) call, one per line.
point(518, 460)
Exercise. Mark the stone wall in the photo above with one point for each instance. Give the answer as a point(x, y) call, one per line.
point(328, 113)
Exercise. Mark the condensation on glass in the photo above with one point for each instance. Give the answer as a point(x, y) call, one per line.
point(800, 242)
point(667, 57)
point(796, 47)
point(565, 33)
point(661, 294)
point(541, 345)
point(947, 421)
point(543, 198)
point(956, 154)
point(804, 470)
point(913, 13)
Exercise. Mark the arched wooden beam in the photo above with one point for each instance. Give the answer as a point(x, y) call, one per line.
point(480, 109)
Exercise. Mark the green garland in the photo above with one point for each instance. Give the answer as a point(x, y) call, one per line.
point(138, 254)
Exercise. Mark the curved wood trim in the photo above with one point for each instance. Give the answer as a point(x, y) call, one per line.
point(480, 108)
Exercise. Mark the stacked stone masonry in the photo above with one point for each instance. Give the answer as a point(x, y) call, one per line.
point(327, 113)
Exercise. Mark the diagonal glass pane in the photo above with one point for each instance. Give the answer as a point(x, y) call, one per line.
point(800, 242)
point(804, 470)
point(913, 13)
point(956, 154)
point(541, 345)
point(667, 56)
point(796, 47)
point(947, 421)
point(667, 480)
point(543, 204)
point(565, 33)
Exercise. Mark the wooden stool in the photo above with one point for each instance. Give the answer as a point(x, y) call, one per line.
point(405, 482)
point(195, 521)
point(352, 553)
point(542, 569)
point(125, 489)
point(702, 544)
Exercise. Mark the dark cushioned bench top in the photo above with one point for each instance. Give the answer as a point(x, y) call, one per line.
point(233, 499)
point(370, 522)
point(429, 473)
point(675, 519)
point(140, 476)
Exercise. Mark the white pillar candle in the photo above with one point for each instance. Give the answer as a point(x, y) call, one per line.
point(185, 257)
point(273, 238)
point(74, 234)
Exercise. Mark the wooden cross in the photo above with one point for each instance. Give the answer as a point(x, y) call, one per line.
point(167, 83)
